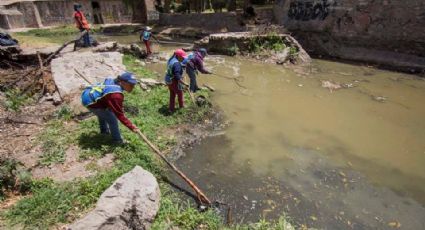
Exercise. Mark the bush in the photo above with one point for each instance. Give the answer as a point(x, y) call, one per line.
point(232, 51)
point(271, 42)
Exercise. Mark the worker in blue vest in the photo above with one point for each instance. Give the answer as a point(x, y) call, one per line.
point(194, 63)
point(146, 36)
point(106, 99)
point(174, 78)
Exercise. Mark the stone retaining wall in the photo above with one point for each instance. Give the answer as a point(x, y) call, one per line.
point(217, 22)
point(222, 22)
point(385, 32)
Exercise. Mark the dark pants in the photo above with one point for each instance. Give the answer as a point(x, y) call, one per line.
point(86, 38)
point(192, 76)
point(148, 46)
point(175, 91)
point(108, 123)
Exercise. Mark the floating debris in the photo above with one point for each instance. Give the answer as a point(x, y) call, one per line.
point(394, 224)
point(381, 99)
point(331, 85)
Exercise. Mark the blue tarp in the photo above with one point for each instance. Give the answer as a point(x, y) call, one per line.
point(7, 40)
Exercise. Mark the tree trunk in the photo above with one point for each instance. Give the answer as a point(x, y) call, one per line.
point(167, 4)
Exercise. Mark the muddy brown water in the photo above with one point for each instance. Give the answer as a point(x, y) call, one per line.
point(352, 158)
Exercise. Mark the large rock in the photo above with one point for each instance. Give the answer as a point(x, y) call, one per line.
point(130, 203)
point(240, 42)
point(94, 66)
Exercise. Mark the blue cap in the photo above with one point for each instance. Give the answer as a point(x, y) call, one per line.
point(128, 77)
point(203, 50)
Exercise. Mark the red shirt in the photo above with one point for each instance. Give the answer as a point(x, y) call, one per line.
point(80, 20)
point(114, 102)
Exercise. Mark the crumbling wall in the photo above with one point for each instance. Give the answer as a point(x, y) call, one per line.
point(57, 12)
point(224, 22)
point(11, 18)
point(372, 28)
point(60, 12)
point(30, 14)
point(115, 12)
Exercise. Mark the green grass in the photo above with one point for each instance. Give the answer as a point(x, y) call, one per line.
point(131, 63)
point(15, 100)
point(54, 142)
point(44, 37)
point(54, 31)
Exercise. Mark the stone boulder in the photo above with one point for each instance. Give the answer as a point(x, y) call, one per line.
point(130, 203)
point(147, 83)
point(95, 67)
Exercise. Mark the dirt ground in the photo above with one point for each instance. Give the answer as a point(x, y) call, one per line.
point(19, 132)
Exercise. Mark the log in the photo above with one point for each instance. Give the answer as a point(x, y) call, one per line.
point(51, 56)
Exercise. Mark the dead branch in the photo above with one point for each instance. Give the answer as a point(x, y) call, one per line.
point(51, 56)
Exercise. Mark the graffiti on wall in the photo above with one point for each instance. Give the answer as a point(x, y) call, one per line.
point(309, 10)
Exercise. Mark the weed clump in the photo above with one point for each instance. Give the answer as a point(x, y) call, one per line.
point(13, 177)
point(232, 51)
point(271, 42)
point(15, 100)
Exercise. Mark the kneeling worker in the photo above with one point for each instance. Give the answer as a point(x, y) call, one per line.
point(105, 100)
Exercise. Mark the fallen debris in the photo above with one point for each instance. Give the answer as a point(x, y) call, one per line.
point(381, 99)
point(331, 85)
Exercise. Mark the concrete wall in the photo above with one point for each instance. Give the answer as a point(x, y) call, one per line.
point(40, 13)
point(56, 12)
point(11, 21)
point(352, 29)
point(115, 12)
point(215, 22)
point(10, 17)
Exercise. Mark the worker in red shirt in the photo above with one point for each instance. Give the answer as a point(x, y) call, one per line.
point(105, 100)
point(82, 24)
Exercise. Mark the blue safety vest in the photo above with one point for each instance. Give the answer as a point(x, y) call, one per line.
point(169, 74)
point(92, 94)
point(187, 59)
point(146, 35)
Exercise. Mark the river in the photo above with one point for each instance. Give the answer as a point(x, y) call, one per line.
point(351, 158)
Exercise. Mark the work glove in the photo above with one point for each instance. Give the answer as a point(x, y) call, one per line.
point(136, 130)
